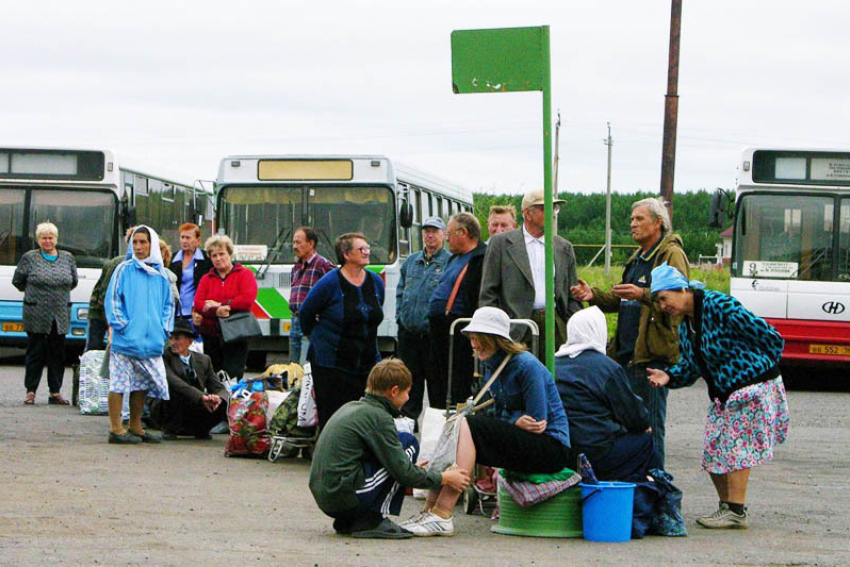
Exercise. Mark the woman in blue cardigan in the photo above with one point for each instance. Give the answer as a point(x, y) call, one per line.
point(341, 315)
point(737, 354)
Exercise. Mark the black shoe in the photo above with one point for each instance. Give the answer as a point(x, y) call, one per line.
point(147, 436)
point(125, 438)
point(387, 529)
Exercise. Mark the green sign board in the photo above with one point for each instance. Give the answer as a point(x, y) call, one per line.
point(498, 60)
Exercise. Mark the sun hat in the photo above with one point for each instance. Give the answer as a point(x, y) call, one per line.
point(490, 321)
point(666, 277)
point(535, 197)
point(435, 222)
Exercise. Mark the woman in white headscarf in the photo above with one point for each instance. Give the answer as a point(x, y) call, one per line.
point(140, 313)
point(608, 422)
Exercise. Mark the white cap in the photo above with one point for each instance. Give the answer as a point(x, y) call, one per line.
point(490, 321)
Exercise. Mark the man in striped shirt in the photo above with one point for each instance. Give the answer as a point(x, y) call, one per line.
point(308, 269)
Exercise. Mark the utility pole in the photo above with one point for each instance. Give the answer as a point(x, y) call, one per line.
point(610, 143)
point(671, 107)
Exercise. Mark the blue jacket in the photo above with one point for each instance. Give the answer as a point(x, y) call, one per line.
point(415, 286)
point(138, 306)
point(599, 400)
point(525, 387)
point(730, 347)
point(342, 321)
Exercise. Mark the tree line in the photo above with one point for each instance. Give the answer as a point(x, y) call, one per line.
point(582, 221)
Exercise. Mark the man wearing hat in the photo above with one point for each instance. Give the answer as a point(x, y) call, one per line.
point(419, 276)
point(198, 401)
point(515, 271)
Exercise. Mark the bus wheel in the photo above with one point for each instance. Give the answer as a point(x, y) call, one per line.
point(256, 360)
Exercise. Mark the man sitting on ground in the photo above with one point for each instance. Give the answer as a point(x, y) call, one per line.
point(360, 461)
point(198, 400)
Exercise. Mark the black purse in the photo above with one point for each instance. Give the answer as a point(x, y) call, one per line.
point(239, 326)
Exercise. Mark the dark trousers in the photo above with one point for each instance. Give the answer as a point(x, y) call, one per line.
point(334, 388)
point(380, 495)
point(539, 317)
point(97, 335)
point(183, 416)
point(504, 445)
point(45, 349)
point(438, 366)
point(654, 399)
point(230, 357)
point(630, 459)
point(414, 350)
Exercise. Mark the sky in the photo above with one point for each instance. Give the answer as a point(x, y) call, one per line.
point(185, 83)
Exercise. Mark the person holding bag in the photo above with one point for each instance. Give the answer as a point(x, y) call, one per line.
point(529, 432)
point(226, 290)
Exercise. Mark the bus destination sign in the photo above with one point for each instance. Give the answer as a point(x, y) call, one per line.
point(830, 169)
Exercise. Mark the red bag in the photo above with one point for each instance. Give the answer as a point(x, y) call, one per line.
point(247, 419)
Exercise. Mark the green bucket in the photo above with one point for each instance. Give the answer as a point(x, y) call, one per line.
point(560, 516)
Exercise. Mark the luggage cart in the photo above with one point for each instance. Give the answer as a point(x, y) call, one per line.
point(476, 500)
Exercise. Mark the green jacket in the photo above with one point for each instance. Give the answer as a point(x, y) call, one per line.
point(358, 431)
point(658, 337)
point(98, 293)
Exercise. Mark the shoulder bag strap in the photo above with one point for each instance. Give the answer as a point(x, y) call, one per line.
point(450, 303)
point(491, 380)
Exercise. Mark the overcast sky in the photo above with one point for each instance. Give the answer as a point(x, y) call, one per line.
point(184, 83)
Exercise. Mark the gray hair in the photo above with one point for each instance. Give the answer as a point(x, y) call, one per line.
point(219, 241)
point(469, 223)
point(657, 207)
point(46, 228)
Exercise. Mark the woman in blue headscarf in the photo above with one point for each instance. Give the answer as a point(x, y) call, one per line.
point(737, 354)
point(140, 313)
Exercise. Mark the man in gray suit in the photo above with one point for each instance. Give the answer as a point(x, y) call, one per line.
point(515, 269)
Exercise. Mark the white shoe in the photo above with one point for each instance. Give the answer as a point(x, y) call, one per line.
point(430, 524)
point(414, 519)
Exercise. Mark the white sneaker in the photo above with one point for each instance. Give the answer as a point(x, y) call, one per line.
point(414, 519)
point(430, 524)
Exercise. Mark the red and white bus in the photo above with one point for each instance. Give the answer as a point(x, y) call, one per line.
point(791, 249)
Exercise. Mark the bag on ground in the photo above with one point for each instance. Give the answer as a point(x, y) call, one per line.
point(246, 416)
point(284, 423)
point(94, 390)
point(307, 415)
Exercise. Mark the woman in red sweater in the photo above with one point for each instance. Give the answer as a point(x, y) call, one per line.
point(225, 289)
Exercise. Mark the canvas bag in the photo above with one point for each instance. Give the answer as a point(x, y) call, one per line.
point(307, 414)
point(445, 453)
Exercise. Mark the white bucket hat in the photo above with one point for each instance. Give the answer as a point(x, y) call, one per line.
point(490, 321)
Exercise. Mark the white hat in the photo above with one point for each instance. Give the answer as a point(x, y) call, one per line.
point(490, 321)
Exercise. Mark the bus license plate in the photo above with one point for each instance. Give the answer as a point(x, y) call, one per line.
point(834, 350)
point(13, 327)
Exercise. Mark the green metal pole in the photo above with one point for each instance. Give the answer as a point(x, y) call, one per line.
point(549, 226)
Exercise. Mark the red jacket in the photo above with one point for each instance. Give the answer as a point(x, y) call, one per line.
point(238, 289)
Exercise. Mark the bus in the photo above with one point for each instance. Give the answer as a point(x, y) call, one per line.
point(92, 196)
point(262, 200)
point(791, 250)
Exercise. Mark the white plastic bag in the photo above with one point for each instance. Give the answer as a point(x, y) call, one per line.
point(432, 425)
point(307, 414)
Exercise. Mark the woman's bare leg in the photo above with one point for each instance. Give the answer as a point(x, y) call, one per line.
point(732, 487)
point(465, 459)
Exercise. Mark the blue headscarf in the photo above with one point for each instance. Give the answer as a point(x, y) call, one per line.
point(666, 277)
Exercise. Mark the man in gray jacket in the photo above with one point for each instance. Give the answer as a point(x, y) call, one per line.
point(514, 272)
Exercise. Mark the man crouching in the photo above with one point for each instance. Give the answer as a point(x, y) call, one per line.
point(361, 462)
point(198, 399)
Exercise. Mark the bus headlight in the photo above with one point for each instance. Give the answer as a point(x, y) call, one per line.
point(82, 313)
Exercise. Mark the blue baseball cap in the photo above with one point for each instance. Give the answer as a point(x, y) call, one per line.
point(435, 222)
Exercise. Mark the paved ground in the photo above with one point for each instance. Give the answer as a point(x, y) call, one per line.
point(68, 498)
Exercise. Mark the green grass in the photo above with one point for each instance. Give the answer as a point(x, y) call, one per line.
point(595, 276)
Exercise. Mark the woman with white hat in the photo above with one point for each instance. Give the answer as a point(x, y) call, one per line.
point(528, 433)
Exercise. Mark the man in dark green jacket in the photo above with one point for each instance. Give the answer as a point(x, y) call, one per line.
point(360, 461)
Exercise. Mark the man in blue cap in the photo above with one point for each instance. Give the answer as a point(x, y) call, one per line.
point(419, 276)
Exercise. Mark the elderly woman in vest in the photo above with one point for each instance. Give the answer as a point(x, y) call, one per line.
point(737, 354)
point(46, 276)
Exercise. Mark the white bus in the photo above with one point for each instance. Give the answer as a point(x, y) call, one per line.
point(791, 249)
point(92, 197)
point(261, 200)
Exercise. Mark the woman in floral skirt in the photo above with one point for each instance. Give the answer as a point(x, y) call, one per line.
point(737, 353)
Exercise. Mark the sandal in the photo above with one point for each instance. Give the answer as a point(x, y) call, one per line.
point(147, 436)
point(57, 399)
point(30, 399)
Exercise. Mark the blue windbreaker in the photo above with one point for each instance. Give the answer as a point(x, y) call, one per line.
point(138, 304)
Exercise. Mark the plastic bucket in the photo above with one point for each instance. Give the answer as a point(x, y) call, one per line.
point(607, 511)
point(559, 516)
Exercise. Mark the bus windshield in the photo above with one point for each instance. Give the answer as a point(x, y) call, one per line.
point(266, 215)
point(792, 237)
point(85, 219)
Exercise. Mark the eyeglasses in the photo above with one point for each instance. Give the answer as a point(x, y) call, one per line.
point(365, 249)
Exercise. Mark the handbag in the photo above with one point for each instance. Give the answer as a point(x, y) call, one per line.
point(239, 326)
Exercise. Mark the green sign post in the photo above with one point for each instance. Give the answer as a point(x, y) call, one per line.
point(512, 60)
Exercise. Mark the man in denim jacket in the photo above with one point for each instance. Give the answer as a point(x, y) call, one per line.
point(419, 276)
